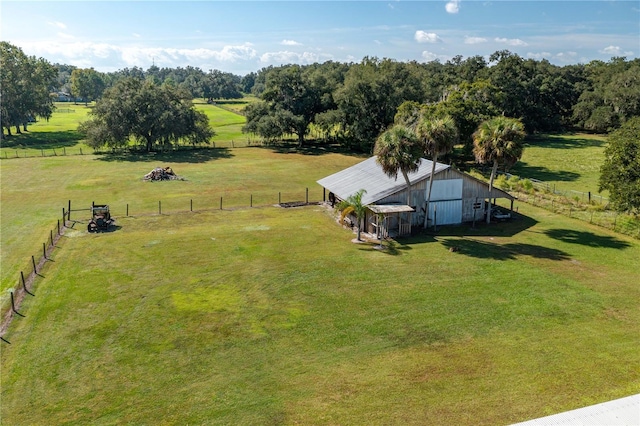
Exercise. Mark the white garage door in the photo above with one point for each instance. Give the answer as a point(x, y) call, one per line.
point(446, 202)
point(445, 212)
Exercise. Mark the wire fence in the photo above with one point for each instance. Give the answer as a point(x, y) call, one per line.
point(9, 153)
point(10, 309)
point(585, 206)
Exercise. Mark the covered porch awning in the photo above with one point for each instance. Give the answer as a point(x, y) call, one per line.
point(388, 210)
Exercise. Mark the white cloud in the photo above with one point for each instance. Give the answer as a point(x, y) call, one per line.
point(424, 37)
point(136, 35)
point(378, 42)
point(453, 6)
point(474, 40)
point(287, 57)
point(430, 56)
point(290, 43)
point(64, 35)
point(616, 51)
point(511, 41)
point(538, 56)
point(58, 24)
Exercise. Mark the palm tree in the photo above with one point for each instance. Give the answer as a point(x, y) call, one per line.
point(438, 136)
point(498, 140)
point(399, 150)
point(353, 204)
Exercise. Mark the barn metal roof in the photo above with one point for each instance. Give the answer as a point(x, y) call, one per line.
point(368, 175)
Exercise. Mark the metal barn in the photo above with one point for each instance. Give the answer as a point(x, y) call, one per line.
point(456, 197)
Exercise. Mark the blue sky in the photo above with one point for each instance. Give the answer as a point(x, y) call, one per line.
point(244, 36)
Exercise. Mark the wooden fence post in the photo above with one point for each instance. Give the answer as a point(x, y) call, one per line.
point(159, 207)
point(13, 306)
point(127, 209)
point(251, 201)
point(220, 203)
point(279, 197)
point(307, 196)
point(24, 284)
point(33, 260)
point(44, 250)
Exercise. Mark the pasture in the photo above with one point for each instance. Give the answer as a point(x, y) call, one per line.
point(569, 161)
point(267, 315)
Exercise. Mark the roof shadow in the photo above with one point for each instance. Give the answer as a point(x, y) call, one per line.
point(195, 155)
point(515, 225)
point(586, 238)
point(509, 251)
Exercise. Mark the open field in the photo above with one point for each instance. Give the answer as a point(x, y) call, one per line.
point(570, 162)
point(34, 190)
point(267, 315)
point(58, 136)
point(272, 316)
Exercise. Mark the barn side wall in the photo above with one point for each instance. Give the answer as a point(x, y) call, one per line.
point(473, 191)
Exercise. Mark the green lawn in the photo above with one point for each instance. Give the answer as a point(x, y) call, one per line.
point(570, 162)
point(272, 316)
point(58, 136)
point(34, 190)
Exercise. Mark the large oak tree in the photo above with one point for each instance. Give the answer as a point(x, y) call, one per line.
point(25, 84)
point(149, 114)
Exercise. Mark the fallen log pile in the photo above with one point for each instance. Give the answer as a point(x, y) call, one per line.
point(162, 173)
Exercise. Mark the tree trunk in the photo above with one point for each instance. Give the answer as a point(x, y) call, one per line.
point(359, 228)
point(426, 202)
point(406, 180)
point(493, 176)
point(24, 127)
point(8, 131)
point(18, 132)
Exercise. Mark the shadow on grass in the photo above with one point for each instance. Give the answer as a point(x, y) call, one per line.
point(509, 228)
point(195, 155)
point(563, 141)
point(389, 247)
point(510, 251)
point(586, 238)
point(309, 148)
point(42, 140)
point(543, 173)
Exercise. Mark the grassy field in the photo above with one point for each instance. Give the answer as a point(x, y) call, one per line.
point(272, 316)
point(267, 315)
point(58, 136)
point(570, 162)
point(34, 190)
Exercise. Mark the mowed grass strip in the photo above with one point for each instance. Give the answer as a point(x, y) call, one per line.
point(272, 316)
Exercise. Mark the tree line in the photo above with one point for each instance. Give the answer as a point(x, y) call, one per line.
point(351, 104)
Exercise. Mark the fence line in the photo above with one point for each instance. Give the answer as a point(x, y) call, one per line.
point(25, 286)
point(9, 154)
point(585, 206)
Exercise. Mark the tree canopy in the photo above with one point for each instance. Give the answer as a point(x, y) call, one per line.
point(148, 113)
point(498, 141)
point(620, 172)
point(25, 86)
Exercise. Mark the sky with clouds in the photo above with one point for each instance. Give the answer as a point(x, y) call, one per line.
point(244, 36)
